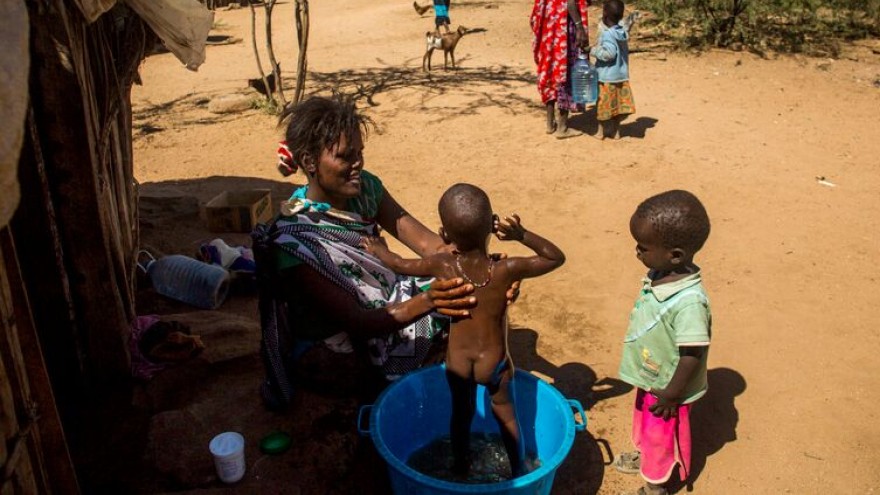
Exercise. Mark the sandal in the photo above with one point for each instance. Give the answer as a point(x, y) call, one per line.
point(628, 462)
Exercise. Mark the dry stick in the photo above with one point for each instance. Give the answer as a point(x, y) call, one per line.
point(302, 35)
point(269, 96)
point(269, 5)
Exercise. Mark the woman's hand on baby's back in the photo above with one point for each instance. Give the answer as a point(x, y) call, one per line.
point(452, 297)
point(374, 245)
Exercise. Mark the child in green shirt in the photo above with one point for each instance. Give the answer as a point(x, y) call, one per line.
point(667, 342)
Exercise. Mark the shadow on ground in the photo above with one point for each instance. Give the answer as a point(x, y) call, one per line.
point(713, 421)
point(632, 128)
point(482, 87)
point(584, 468)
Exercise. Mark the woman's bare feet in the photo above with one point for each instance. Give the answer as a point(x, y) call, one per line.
point(562, 129)
point(551, 119)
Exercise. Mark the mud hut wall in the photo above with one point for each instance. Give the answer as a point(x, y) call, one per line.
point(79, 211)
point(34, 458)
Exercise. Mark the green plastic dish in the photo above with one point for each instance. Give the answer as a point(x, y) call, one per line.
point(275, 443)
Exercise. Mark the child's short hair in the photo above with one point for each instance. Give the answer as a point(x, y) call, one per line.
point(678, 218)
point(612, 12)
point(466, 214)
point(317, 123)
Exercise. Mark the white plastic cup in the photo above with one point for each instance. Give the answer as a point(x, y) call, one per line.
point(228, 451)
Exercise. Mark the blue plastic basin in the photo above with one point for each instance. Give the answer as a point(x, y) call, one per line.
point(415, 410)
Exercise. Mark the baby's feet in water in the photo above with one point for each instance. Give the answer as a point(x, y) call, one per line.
point(529, 465)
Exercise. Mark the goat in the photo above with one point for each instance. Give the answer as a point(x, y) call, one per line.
point(261, 87)
point(446, 41)
point(421, 10)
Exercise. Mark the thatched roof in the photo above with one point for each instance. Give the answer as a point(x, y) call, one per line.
point(182, 25)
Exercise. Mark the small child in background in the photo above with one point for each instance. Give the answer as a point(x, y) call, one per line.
point(667, 342)
point(441, 15)
point(612, 66)
point(477, 351)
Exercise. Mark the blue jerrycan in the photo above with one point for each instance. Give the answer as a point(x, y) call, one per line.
point(187, 280)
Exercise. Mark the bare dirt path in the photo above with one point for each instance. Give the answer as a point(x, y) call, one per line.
point(792, 265)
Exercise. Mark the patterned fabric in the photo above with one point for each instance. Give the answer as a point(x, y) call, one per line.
point(328, 241)
point(141, 366)
point(554, 49)
point(366, 204)
point(276, 342)
point(614, 99)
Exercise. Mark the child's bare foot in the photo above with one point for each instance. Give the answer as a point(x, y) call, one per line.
point(551, 127)
point(605, 130)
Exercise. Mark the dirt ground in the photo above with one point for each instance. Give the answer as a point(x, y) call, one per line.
point(791, 266)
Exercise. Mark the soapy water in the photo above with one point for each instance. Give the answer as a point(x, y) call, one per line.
point(489, 462)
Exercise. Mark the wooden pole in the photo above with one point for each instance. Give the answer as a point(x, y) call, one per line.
point(276, 69)
point(269, 96)
point(302, 36)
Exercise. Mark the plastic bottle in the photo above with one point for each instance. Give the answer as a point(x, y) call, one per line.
point(188, 280)
point(584, 81)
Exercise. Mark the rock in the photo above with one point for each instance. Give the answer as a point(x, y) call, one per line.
point(230, 104)
point(226, 336)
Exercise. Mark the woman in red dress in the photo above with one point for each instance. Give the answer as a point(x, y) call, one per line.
point(560, 28)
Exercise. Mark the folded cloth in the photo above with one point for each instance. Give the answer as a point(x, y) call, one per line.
point(339, 343)
point(155, 344)
point(141, 367)
point(234, 258)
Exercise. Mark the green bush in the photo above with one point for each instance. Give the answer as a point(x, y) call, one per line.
point(814, 27)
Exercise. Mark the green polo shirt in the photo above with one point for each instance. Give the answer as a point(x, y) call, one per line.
point(664, 318)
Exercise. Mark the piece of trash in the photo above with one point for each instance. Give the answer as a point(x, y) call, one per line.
point(275, 443)
point(825, 182)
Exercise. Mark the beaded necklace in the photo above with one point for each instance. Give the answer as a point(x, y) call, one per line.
point(468, 279)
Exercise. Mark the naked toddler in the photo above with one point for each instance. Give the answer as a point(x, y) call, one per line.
point(477, 351)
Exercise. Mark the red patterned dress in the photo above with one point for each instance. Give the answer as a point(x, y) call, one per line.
point(555, 49)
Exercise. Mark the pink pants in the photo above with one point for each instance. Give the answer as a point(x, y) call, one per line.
point(662, 443)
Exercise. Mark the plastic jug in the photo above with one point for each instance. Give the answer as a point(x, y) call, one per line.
point(584, 81)
point(187, 280)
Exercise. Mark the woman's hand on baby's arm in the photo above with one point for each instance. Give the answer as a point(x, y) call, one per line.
point(509, 229)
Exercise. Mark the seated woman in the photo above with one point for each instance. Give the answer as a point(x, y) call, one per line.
point(322, 296)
